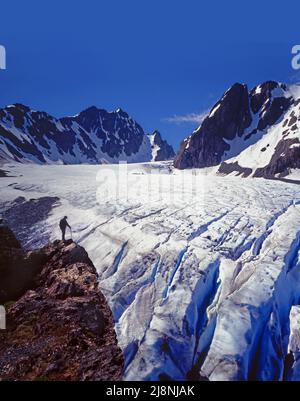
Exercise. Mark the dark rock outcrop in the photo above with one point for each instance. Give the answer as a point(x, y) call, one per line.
point(285, 157)
point(227, 168)
point(61, 328)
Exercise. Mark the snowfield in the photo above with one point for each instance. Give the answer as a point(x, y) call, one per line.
point(202, 272)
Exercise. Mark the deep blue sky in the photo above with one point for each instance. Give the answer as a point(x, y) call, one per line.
point(155, 59)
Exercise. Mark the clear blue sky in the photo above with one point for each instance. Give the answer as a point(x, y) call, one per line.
point(155, 59)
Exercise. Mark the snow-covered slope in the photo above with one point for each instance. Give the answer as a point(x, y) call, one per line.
point(93, 136)
point(201, 271)
point(255, 133)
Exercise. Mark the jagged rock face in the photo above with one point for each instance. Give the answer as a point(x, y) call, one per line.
point(161, 150)
point(228, 118)
point(93, 136)
point(268, 104)
point(238, 122)
point(61, 328)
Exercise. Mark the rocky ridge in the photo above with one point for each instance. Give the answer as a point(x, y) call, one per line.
point(59, 325)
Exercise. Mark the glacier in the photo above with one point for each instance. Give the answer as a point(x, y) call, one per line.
point(202, 272)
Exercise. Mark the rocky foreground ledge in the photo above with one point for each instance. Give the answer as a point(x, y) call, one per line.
point(59, 325)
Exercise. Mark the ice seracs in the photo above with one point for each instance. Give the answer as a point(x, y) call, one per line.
point(202, 283)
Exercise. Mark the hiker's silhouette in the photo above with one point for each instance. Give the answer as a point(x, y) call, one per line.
point(63, 224)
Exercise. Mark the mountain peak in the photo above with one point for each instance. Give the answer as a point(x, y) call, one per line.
point(121, 112)
point(89, 110)
point(238, 121)
point(161, 150)
point(155, 134)
point(92, 136)
point(18, 106)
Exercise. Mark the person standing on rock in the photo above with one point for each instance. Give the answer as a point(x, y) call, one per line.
point(63, 224)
